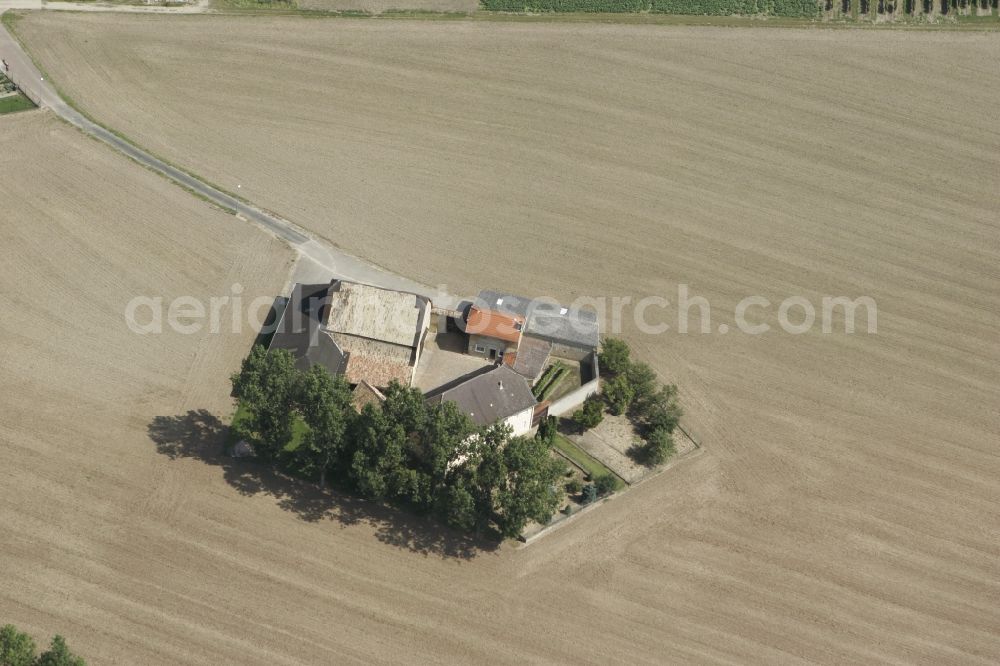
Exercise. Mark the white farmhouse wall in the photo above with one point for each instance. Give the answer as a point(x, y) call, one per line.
point(521, 422)
point(571, 401)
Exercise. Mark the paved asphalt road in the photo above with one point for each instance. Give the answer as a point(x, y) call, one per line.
point(319, 261)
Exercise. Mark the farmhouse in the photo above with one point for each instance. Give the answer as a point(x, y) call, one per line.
point(498, 395)
point(366, 333)
point(493, 334)
point(524, 332)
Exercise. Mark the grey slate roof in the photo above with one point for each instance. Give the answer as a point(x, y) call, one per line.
point(490, 396)
point(568, 326)
point(531, 357)
point(546, 320)
point(299, 329)
point(508, 303)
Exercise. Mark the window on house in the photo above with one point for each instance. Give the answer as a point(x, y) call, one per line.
point(480, 349)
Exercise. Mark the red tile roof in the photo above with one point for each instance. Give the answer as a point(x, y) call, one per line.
point(493, 324)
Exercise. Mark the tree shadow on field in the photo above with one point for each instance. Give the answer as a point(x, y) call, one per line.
point(199, 434)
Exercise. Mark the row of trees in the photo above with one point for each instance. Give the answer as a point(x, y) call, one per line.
point(632, 388)
point(18, 649)
point(430, 457)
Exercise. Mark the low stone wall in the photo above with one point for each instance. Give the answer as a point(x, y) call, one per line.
point(561, 520)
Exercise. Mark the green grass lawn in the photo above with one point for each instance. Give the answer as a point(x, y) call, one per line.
point(14, 103)
point(583, 460)
point(299, 428)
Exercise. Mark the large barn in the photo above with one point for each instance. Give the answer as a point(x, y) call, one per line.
point(368, 334)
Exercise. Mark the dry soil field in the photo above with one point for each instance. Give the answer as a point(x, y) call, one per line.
point(847, 508)
point(91, 515)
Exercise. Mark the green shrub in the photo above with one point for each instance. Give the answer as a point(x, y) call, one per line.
point(606, 484)
point(659, 447)
point(589, 493)
point(661, 411)
point(590, 415)
point(18, 649)
point(619, 395)
point(550, 380)
point(574, 486)
point(544, 380)
point(795, 8)
point(614, 357)
point(641, 379)
point(708, 7)
point(553, 384)
point(547, 430)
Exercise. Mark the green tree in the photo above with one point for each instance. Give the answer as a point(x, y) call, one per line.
point(530, 490)
point(589, 494)
point(659, 447)
point(443, 442)
point(614, 356)
point(325, 404)
point(487, 471)
point(16, 648)
point(458, 506)
point(619, 395)
point(547, 430)
point(405, 407)
point(377, 458)
point(663, 412)
point(590, 415)
point(266, 385)
point(414, 486)
point(58, 654)
point(642, 379)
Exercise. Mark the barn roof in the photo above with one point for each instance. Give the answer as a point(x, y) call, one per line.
point(364, 311)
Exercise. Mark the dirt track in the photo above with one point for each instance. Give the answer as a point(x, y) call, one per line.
point(846, 508)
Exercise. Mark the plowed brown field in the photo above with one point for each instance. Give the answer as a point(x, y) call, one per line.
point(847, 505)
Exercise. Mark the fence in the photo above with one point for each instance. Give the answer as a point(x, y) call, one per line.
point(31, 95)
